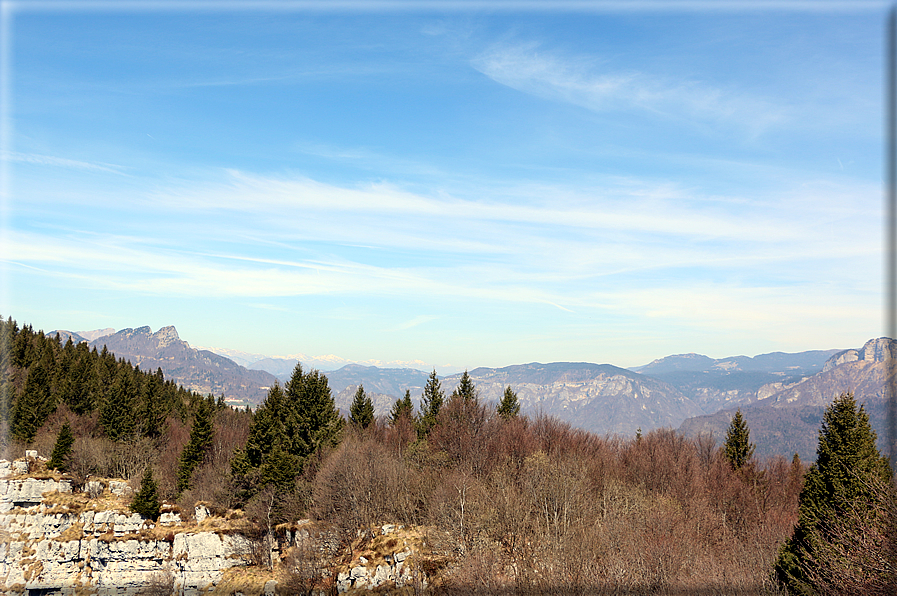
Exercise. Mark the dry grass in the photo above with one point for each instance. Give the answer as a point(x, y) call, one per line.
point(73, 532)
point(248, 580)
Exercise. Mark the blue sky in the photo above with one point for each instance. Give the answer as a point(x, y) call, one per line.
point(471, 185)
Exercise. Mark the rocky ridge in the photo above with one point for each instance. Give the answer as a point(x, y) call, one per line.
point(197, 370)
point(786, 421)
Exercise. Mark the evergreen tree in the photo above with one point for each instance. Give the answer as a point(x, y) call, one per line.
point(402, 407)
point(153, 409)
point(62, 449)
point(508, 407)
point(361, 412)
point(146, 501)
point(267, 429)
point(279, 468)
point(36, 403)
point(201, 435)
point(430, 404)
point(313, 421)
point(845, 480)
point(738, 447)
point(290, 426)
point(118, 415)
point(78, 395)
point(466, 389)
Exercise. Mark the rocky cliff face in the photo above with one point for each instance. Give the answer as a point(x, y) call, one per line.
point(56, 541)
point(786, 419)
point(597, 397)
point(874, 350)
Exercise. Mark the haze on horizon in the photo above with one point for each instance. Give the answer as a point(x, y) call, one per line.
point(468, 187)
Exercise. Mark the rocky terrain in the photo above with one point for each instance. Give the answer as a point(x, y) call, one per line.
point(786, 420)
point(58, 538)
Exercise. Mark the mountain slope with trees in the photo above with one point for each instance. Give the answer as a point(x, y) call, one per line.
point(512, 503)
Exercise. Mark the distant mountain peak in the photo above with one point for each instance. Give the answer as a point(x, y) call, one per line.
point(874, 350)
point(166, 335)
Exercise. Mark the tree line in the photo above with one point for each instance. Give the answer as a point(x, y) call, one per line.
point(531, 504)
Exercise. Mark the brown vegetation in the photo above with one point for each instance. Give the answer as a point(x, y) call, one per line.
point(535, 506)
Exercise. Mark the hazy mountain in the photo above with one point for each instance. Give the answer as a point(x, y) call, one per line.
point(781, 395)
point(788, 420)
point(389, 381)
point(96, 333)
point(282, 366)
point(65, 335)
point(199, 370)
point(775, 362)
point(598, 397)
point(737, 380)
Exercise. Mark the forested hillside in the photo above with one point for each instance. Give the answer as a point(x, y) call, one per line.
point(522, 504)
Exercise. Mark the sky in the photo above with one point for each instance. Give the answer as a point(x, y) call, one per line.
point(456, 185)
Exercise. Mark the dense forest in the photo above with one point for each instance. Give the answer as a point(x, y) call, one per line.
point(529, 505)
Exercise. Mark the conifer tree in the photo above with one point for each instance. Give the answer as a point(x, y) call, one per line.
point(267, 428)
point(36, 402)
point(153, 409)
point(466, 389)
point(845, 480)
point(62, 449)
point(291, 425)
point(118, 415)
point(361, 412)
point(146, 501)
point(402, 407)
point(78, 394)
point(738, 447)
point(201, 435)
point(313, 420)
point(508, 407)
point(430, 404)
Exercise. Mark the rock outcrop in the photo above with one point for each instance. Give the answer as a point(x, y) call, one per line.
point(56, 541)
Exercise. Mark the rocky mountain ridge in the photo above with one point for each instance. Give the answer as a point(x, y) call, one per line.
point(690, 391)
point(198, 370)
point(787, 420)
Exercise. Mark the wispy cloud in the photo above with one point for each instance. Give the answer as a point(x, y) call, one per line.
point(63, 162)
point(595, 85)
point(418, 320)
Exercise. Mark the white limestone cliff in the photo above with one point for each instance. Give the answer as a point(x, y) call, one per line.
point(56, 542)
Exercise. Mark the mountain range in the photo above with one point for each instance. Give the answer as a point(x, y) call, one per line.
point(781, 395)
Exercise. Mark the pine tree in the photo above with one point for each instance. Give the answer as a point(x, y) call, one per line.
point(36, 403)
point(146, 501)
point(267, 429)
point(313, 421)
point(466, 389)
point(430, 404)
point(738, 447)
point(118, 415)
point(508, 407)
point(78, 392)
point(201, 436)
point(291, 425)
point(153, 409)
point(62, 449)
point(361, 412)
point(846, 480)
point(402, 407)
